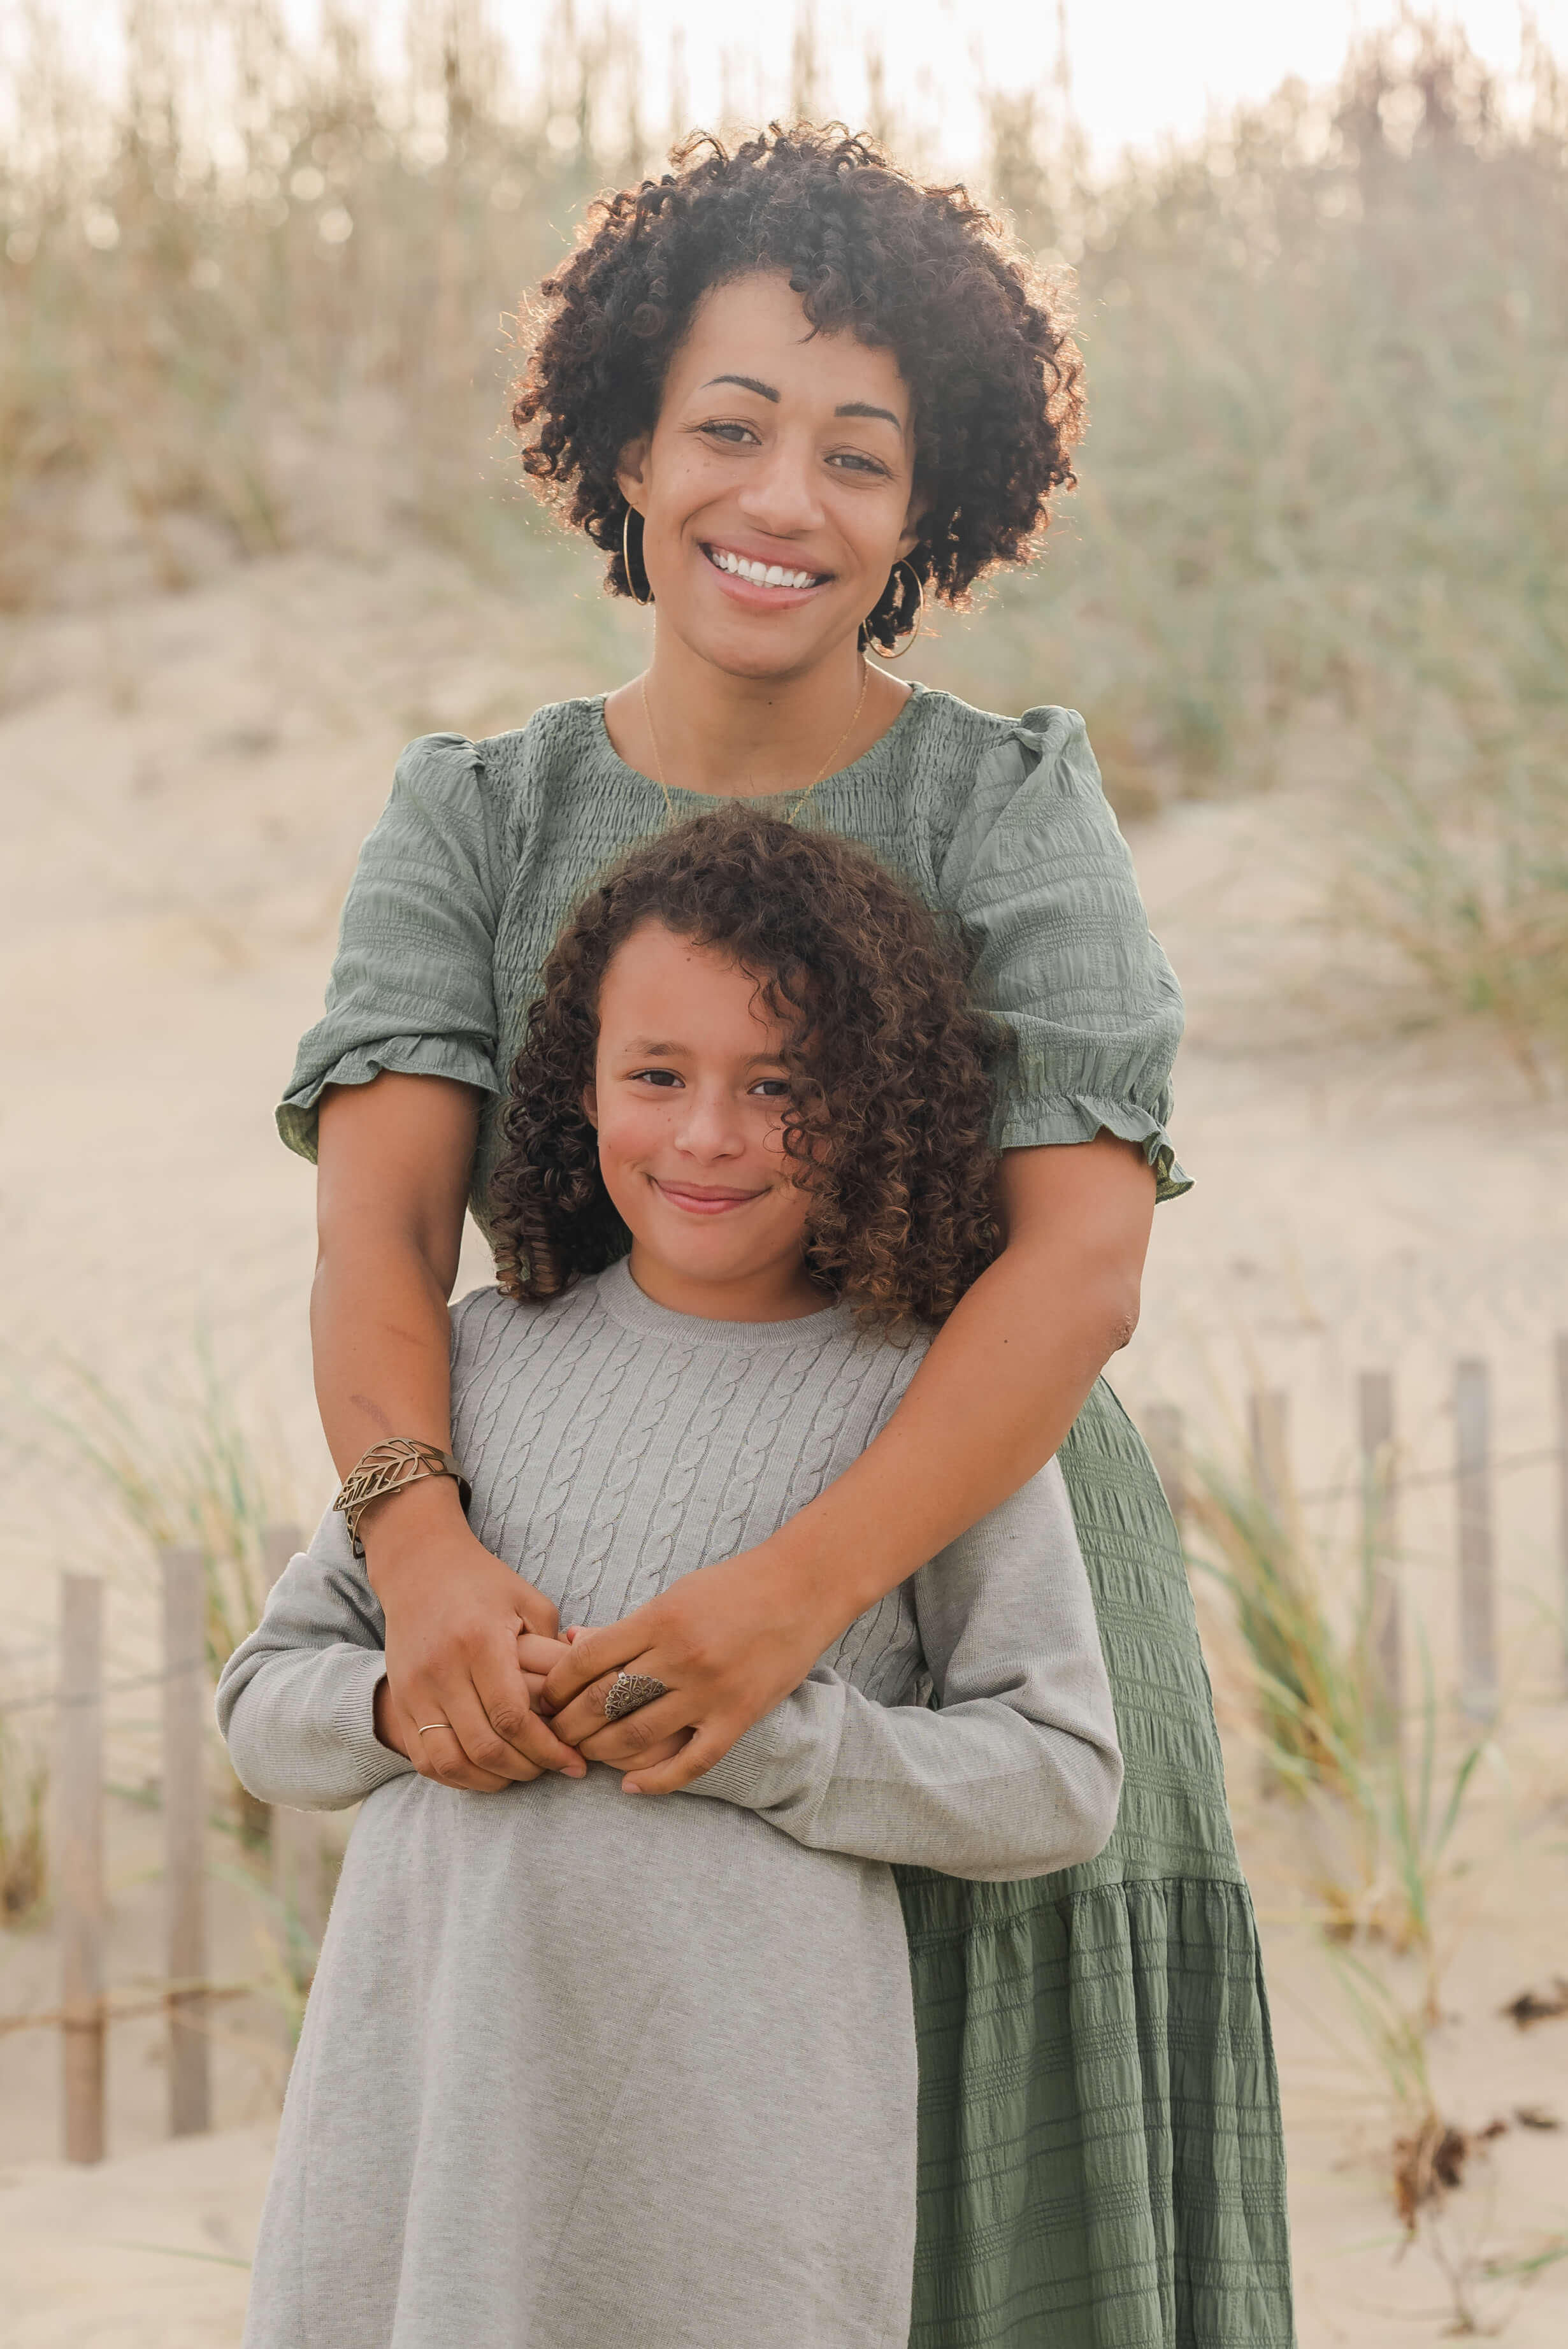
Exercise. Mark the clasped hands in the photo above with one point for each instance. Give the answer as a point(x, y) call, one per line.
point(479, 1652)
point(588, 1737)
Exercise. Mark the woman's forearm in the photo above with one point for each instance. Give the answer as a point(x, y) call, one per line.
point(1002, 1385)
point(380, 1341)
point(393, 1171)
point(395, 1158)
point(1004, 1380)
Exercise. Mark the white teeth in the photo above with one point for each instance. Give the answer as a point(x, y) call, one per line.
point(762, 575)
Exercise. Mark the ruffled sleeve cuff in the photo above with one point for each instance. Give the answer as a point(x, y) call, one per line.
point(1079, 1117)
point(405, 1056)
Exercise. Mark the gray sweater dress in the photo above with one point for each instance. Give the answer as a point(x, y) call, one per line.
point(582, 2069)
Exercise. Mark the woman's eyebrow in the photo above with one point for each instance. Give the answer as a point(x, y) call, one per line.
point(747, 383)
point(768, 391)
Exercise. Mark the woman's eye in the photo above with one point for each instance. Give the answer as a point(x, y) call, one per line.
point(850, 460)
point(733, 433)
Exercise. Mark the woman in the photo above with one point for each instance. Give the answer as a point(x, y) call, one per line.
point(806, 1188)
point(789, 392)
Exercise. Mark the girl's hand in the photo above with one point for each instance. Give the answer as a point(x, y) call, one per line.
point(729, 1641)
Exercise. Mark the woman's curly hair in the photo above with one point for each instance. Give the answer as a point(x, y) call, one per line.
point(979, 338)
point(889, 1111)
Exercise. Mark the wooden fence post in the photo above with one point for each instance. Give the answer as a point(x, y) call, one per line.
point(1375, 1408)
point(1167, 1450)
point(295, 1838)
point(1268, 1425)
point(1477, 1604)
point(184, 1835)
point(78, 1786)
point(1561, 1426)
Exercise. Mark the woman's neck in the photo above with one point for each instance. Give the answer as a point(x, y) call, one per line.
point(696, 727)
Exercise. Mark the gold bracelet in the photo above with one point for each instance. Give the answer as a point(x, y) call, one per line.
point(393, 1467)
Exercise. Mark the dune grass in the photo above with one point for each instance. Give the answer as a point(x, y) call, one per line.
point(266, 297)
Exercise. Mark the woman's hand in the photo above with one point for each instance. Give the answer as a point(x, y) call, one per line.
point(1006, 1376)
point(457, 1621)
point(729, 1641)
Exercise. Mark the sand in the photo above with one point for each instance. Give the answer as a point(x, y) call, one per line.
point(186, 779)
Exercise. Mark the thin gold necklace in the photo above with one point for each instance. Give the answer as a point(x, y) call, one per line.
point(822, 771)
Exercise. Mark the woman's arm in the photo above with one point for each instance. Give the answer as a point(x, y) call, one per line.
point(1018, 1774)
point(395, 1157)
point(1002, 1383)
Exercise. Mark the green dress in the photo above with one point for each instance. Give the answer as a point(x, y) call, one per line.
point(1101, 2157)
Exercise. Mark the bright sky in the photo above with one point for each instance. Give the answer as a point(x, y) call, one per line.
point(1140, 68)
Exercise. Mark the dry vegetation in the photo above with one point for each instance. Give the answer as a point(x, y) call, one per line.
point(261, 299)
point(260, 304)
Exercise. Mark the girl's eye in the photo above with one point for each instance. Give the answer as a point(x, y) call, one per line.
point(666, 1079)
point(773, 1088)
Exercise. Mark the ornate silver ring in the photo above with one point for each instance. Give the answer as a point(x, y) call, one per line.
point(628, 1692)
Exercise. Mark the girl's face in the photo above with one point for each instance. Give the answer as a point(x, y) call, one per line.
point(787, 452)
point(688, 1099)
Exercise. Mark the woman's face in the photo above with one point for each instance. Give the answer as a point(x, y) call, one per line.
point(777, 487)
point(688, 1099)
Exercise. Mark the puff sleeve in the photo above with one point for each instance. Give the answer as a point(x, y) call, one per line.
point(412, 985)
point(1040, 875)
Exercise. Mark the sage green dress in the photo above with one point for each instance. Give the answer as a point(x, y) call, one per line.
point(1101, 2163)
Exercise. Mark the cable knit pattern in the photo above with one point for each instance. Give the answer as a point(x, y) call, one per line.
point(682, 2031)
point(485, 847)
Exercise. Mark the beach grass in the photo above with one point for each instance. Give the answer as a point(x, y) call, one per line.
point(261, 295)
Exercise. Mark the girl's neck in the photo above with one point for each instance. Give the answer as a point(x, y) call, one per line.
point(697, 727)
point(775, 1292)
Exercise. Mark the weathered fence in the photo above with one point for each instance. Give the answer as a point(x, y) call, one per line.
point(1472, 1476)
point(88, 2007)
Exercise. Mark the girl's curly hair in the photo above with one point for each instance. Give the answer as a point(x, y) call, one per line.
point(979, 338)
point(890, 1113)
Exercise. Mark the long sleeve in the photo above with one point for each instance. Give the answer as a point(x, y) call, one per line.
point(1016, 1775)
point(296, 1700)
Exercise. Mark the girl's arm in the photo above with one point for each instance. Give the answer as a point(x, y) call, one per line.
point(1018, 1774)
point(297, 1700)
point(1002, 1383)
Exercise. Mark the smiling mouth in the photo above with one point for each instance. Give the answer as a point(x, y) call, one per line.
point(693, 1200)
point(762, 575)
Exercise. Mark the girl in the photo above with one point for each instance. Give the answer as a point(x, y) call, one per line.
point(789, 393)
point(577, 2070)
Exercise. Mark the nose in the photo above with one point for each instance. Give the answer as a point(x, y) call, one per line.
point(709, 1128)
point(780, 493)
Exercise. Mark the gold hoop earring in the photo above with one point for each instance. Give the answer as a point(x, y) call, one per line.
point(914, 628)
point(625, 560)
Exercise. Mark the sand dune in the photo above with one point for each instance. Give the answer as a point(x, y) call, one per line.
point(185, 785)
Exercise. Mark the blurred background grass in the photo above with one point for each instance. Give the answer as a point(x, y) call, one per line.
point(259, 294)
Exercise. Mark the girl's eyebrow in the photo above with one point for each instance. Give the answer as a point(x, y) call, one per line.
point(656, 1047)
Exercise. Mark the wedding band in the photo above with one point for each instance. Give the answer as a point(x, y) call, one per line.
point(436, 1724)
point(629, 1692)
